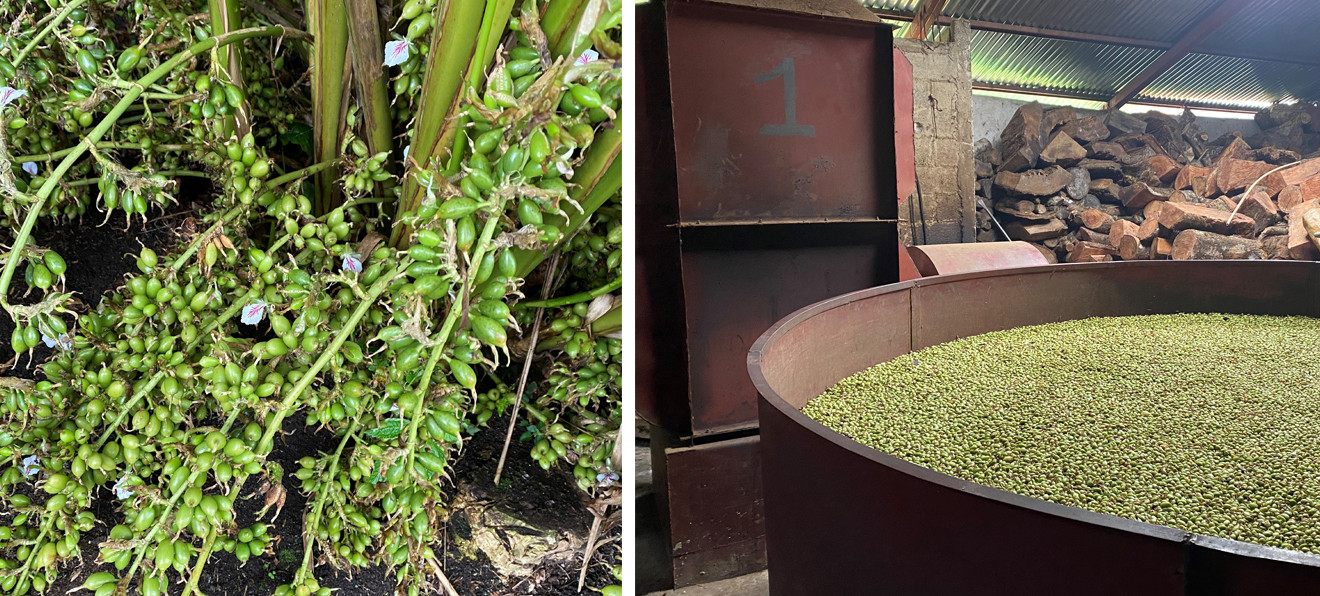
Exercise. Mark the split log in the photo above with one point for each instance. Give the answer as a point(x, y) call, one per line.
point(1087, 130)
point(1097, 220)
point(1299, 244)
point(1020, 140)
point(1105, 189)
point(1107, 150)
point(1051, 257)
point(1164, 168)
point(1260, 208)
point(1131, 249)
point(1085, 252)
point(1102, 168)
point(1121, 123)
point(1182, 216)
point(1183, 181)
point(1089, 235)
point(1289, 197)
point(1152, 209)
point(1301, 172)
point(1149, 228)
point(1198, 245)
point(1237, 174)
point(1036, 232)
point(1062, 150)
point(1311, 221)
point(1275, 247)
point(1141, 194)
point(1041, 183)
point(1160, 248)
point(1120, 229)
point(1057, 117)
point(1310, 188)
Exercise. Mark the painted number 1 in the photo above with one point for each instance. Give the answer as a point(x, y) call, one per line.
point(790, 127)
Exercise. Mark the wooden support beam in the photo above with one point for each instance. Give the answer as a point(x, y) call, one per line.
point(977, 85)
point(924, 17)
point(1184, 46)
point(1046, 32)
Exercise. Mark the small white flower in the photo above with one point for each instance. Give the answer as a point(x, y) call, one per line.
point(353, 262)
point(8, 94)
point(253, 313)
point(30, 468)
point(30, 167)
point(396, 52)
point(121, 487)
point(587, 57)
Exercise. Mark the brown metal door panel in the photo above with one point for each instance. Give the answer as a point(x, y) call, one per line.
point(774, 116)
point(739, 281)
point(717, 519)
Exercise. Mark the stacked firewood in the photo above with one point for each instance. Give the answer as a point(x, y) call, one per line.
point(1113, 185)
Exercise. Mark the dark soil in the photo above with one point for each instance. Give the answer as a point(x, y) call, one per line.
point(99, 257)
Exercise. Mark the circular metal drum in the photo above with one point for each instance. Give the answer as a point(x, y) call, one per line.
point(842, 518)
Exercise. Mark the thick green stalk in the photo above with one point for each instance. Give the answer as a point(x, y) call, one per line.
point(328, 24)
point(225, 18)
point(493, 24)
point(296, 174)
point(576, 298)
point(309, 531)
point(568, 24)
point(367, 49)
point(102, 145)
point(59, 18)
point(454, 42)
point(202, 556)
point(609, 322)
point(42, 194)
point(455, 313)
point(598, 178)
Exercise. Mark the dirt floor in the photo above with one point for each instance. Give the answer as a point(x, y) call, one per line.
point(99, 256)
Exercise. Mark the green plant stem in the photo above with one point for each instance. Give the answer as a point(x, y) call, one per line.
point(169, 507)
point(103, 145)
point(609, 322)
point(36, 546)
point(576, 298)
point(59, 18)
point(202, 556)
point(309, 532)
point(327, 21)
point(166, 173)
point(455, 313)
point(307, 171)
point(598, 178)
point(21, 238)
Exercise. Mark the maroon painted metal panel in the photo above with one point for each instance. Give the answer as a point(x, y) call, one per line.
point(905, 147)
point(715, 502)
point(832, 504)
point(772, 115)
point(738, 288)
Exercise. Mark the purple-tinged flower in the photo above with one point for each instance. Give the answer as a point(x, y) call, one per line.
point(30, 167)
point(30, 466)
point(253, 313)
point(587, 57)
point(353, 262)
point(8, 94)
point(396, 52)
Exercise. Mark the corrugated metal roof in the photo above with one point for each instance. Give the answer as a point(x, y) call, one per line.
point(1279, 29)
point(1277, 41)
point(1155, 20)
point(1234, 82)
point(1076, 68)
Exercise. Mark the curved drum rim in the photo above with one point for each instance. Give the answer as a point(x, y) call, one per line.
point(770, 396)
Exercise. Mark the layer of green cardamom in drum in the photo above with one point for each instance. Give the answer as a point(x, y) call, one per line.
point(1206, 423)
